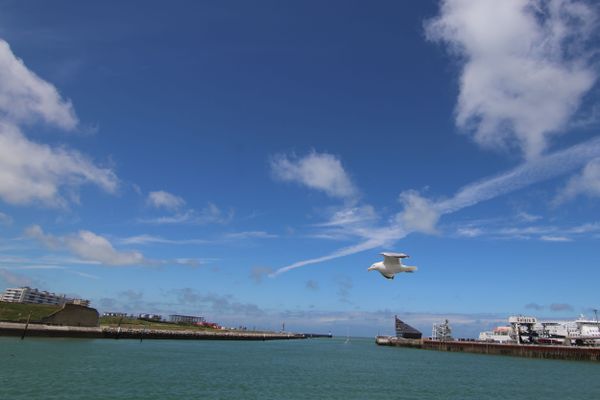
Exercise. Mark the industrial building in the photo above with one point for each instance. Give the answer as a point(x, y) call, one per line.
point(185, 319)
point(403, 330)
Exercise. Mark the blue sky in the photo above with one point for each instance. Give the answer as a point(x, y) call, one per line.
point(248, 161)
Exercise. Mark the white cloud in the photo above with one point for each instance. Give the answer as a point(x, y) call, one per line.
point(89, 246)
point(211, 214)
point(92, 247)
point(525, 67)
point(469, 231)
point(166, 200)
point(350, 216)
point(548, 238)
point(586, 183)
point(250, 235)
point(150, 239)
point(32, 172)
point(419, 214)
point(320, 171)
point(24, 97)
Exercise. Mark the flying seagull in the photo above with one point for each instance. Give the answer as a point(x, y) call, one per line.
point(391, 265)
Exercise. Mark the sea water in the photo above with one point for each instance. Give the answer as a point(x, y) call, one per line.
point(290, 369)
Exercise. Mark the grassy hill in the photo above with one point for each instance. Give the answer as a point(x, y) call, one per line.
point(16, 312)
point(127, 322)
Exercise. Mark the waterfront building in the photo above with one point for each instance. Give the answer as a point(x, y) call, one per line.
point(185, 319)
point(28, 295)
point(32, 296)
point(150, 317)
point(79, 302)
point(115, 314)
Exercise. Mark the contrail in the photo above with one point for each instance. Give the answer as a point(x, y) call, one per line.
point(531, 172)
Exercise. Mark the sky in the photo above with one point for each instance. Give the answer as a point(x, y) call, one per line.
point(248, 161)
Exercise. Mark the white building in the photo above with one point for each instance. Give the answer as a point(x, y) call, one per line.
point(28, 295)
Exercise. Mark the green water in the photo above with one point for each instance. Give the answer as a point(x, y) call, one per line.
point(297, 369)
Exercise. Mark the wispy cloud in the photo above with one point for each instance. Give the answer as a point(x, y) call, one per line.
point(95, 248)
point(211, 214)
point(166, 200)
point(145, 239)
point(549, 238)
point(531, 172)
point(585, 183)
point(320, 171)
point(525, 66)
point(13, 279)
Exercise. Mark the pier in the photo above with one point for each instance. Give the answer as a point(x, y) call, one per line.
point(575, 353)
point(42, 330)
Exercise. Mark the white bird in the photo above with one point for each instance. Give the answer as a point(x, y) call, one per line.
point(391, 265)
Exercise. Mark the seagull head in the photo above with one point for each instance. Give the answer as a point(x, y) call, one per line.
point(372, 267)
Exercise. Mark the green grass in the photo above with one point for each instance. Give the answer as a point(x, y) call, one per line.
point(16, 312)
point(140, 324)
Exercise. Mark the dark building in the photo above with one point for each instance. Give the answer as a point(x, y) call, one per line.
point(403, 330)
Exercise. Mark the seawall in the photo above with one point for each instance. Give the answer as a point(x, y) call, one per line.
point(531, 351)
point(41, 330)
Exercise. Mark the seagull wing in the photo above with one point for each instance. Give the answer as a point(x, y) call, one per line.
point(393, 258)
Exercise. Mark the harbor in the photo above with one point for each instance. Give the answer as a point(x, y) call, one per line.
point(523, 338)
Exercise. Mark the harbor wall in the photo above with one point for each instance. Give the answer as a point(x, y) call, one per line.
point(41, 330)
point(531, 351)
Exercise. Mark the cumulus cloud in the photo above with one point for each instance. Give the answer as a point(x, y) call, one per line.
point(89, 246)
point(166, 200)
point(24, 97)
point(586, 183)
point(320, 171)
point(32, 172)
point(419, 214)
point(525, 66)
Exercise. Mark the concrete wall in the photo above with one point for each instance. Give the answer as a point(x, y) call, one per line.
point(73, 315)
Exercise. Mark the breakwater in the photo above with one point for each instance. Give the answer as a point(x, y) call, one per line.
point(41, 330)
point(524, 350)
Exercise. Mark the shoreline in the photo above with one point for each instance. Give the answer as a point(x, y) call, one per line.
point(42, 330)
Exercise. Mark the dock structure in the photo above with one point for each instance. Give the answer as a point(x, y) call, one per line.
point(42, 330)
point(575, 353)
